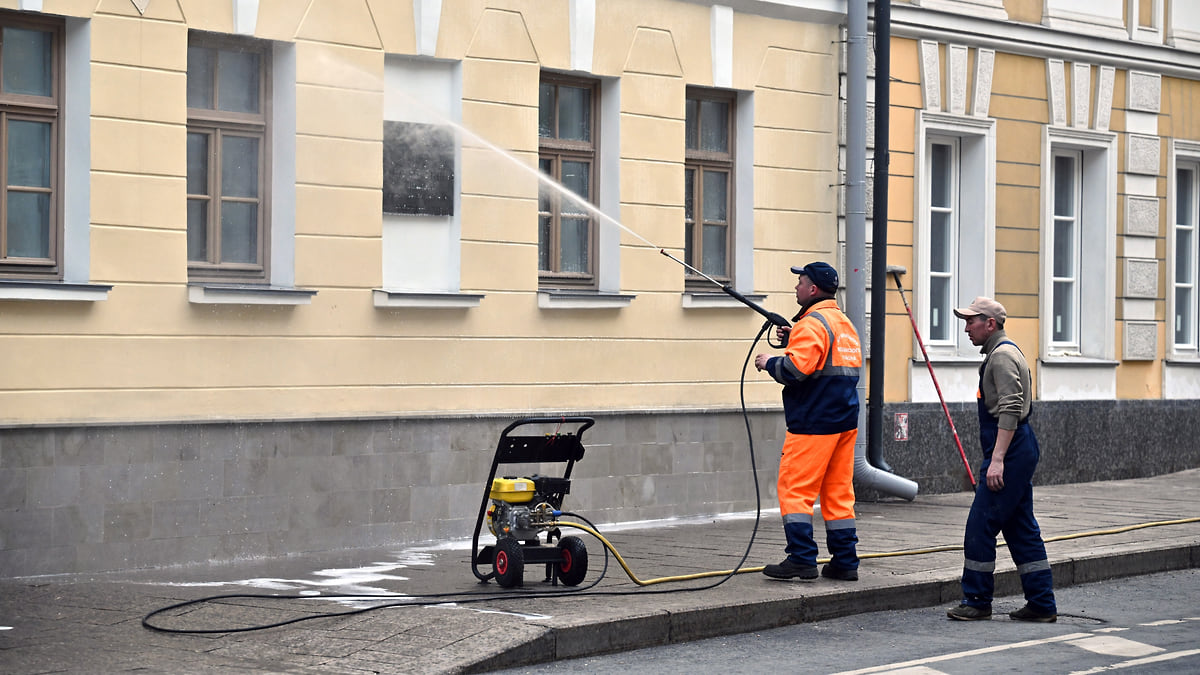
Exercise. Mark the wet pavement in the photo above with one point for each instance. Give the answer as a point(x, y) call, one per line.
point(440, 619)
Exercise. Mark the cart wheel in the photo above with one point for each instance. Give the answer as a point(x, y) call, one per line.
point(509, 562)
point(572, 567)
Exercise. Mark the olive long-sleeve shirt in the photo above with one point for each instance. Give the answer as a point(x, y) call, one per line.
point(1005, 381)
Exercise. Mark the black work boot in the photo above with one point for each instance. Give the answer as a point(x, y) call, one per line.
point(790, 570)
point(841, 574)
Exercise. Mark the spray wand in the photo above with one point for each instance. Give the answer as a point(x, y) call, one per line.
point(770, 316)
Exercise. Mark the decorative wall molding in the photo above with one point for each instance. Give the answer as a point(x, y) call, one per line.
point(1104, 97)
point(1142, 154)
point(1141, 216)
point(1141, 278)
point(1145, 91)
point(1081, 87)
point(1140, 341)
point(931, 75)
point(956, 78)
point(985, 63)
point(1057, 86)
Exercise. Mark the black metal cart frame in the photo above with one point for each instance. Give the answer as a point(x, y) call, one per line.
point(512, 448)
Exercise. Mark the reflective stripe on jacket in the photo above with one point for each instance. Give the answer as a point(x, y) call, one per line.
point(819, 372)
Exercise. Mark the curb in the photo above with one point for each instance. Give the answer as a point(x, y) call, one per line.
point(664, 627)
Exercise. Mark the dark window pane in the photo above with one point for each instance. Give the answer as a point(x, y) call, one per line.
point(197, 164)
point(239, 166)
point(1183, 196)
point(197, 229)
point(575, 245)
point(574, 113)
point(1064, 186)
point(28, 224)
point(939, 241)
point(939, 308)
point(239, 232)
point(1183, 316)
point(716, 196)
point(692, 115)
point(200, 64)
point(546, 110)
point(237, 81)
point(714, 126)
point(940, 176)
point(714, 250)
point(418, 169)
point(29, 153)
point(1063, 312)
point(544, 223)
point(26, 58)
point(576, 177)
point(1064, 249)
point(689, 194)
point(1183, 256)
point(689, 247)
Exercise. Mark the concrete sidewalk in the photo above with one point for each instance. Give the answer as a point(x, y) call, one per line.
point(93, 624)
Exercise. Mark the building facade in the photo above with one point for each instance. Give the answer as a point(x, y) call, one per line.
point(274, 274)
point(277, 273)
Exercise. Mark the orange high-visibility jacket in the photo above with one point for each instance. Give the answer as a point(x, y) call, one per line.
point(819, 372)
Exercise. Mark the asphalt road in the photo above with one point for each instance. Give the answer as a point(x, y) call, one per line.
point(1148, 624)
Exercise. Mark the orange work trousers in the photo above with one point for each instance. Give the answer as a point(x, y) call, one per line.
point(818, 466)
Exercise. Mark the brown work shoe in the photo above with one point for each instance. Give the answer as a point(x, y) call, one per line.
point(966, 612)
point(1027, 613)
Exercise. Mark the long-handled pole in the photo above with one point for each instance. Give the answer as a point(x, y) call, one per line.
point(929, 364)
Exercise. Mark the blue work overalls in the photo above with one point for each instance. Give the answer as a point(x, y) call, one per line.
point(1009, 510)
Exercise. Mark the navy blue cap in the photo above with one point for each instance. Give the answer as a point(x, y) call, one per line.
point(821, 274)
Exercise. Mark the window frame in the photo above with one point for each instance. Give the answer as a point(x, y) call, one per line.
point(1073, 276)
point(557, 150)
point(1185, 157)
point(974, 249)
point(1097, 316)
point(216, 124)
point(25, 107)
point(699, 161)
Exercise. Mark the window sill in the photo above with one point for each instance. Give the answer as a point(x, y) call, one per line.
point(583, 300)
point(709, 300)
point(1185, 361)
point(387, 299)
point(54, 291)
point(950, 359)
point(236, 294)
point(1081, 361)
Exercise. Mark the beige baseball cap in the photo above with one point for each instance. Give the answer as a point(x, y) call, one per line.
point(982, 306)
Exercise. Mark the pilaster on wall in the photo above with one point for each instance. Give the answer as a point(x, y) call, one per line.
point(1143, 159)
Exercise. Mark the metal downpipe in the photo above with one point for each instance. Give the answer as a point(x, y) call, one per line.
point(865, 475)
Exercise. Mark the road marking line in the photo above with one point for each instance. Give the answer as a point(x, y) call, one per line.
point(1157, 658)
point(1115, 629)
point(959, 655)
point(1111, 645)
point(1164, 622)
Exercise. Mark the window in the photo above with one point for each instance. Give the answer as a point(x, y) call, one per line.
point(567, 153)
point(1065, 250)
point(956, 227)
point(1078, 259)
point(1187, 218)
point(30, 130)
point(943, 231)
point(708, 183)
point(228, 141)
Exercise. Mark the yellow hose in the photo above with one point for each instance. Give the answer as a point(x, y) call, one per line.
point(891, 554)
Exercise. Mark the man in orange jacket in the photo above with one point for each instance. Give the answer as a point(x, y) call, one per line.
point(819, 372)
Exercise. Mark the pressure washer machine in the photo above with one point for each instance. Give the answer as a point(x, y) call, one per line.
point(518, 509)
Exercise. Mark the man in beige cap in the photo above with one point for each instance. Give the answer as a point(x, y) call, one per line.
point(1004, 498)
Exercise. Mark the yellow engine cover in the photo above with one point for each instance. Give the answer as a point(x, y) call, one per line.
point(512, 490)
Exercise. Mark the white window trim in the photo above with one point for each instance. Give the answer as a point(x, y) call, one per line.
point(986, 9)
point(977, 162)
point(1182, 152)
point(1153, 34)
point(1091, 373)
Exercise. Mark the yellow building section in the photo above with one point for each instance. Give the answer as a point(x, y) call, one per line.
point(147, 354)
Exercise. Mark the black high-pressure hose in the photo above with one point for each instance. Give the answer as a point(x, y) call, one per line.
point(488, 596)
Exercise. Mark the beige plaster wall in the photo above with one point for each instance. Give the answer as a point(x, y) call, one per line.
point(146, 354)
